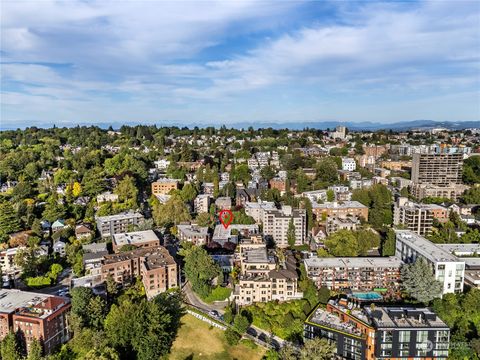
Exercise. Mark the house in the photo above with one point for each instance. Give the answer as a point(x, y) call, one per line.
point(58, 225)
point(246, 195)
point(82, 232)
point(59, 247)
point(107, 197)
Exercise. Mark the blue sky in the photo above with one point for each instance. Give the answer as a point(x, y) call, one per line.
point(230, 62)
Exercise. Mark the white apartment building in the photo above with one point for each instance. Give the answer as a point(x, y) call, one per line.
point(256, 209)
point(448, 269)
point(276, 223)
point(119, 223)
point(348, 164)
point(202, 203)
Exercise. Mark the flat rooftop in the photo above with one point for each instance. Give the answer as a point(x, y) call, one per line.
point(193, 230)
point(29, 303)
point(404, 317)
point(460, 249)
point(121, 216)
point(340, 205)
point(135, 237)
point(153, 257)
point(353, 262)
point(425, 247)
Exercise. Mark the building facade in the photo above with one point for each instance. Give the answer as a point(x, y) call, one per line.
point(276, 224)
point(164, 186)
point(437, 169)
point(34, 316)
point(139, 239)
point(119, 223)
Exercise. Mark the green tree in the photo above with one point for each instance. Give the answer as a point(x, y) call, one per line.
point(267, 173)
point(330, 195)
point(366, 240)
point(388, 246)
point(241, 323)
point(10, 349)
point(317, 349)
point(35, 351)
point(419, 281)
point(188, 192)
point(200, 270)
point(291, 233)
point(232, 336)
point(205, 219)
point(105, 353)
point(81, 297)
point(8, 221)
point(342, 243)
point(127, 191)
point(174, 211)
point(471, 171)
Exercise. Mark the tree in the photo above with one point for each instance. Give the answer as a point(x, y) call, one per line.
point(10, 347)
point(35, 351)
point(291, 233)
point(188, 192)
point(105, 353)
point(267, 173)
point(323, 295)
point(241, 323)
point(330, 195)
point(200, 270)
point(8, 221)
point(81, 297)
point(471, 171)
point(98, 311)
point(317, 349)
point(342, 243)
point(419, 282)
point(127, 191)
point(232, 336)
point(366, 239)
point(388, 246)
point(205, 219)
point(174, 211)
point(76, 189)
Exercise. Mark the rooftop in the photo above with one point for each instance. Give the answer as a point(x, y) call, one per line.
point(121, 216)
point(29, 303)
point(193, 230)
point(424, 247)
point(353, 262)
point(153, 257)
point(340, 205)
point(135, 237)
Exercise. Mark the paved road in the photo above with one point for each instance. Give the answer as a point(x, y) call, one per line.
point(253, 332)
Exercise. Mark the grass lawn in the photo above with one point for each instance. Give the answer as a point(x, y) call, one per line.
point(197, 340)
point(218, 294)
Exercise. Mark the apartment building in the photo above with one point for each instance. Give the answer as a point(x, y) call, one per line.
point(384, 332)
point(155, 266)
point(339, 209)
point(119, 223)
point(195, 234)
point(164, 186)
point(256, 209)
point(454, 191)
point(437, 169)
point(107, 197)
point(415, 217)
point(260, 280)
point(276, 223)
point(139, 239)
point(448, 269)
point(7, 261)
point(202, 202)
point(354, 273)
point(35, 316)
point(278, 183)
point(396, 165)
point(336, 223)
point(348, 164)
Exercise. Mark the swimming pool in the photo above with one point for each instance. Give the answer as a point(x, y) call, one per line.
point(367, 296)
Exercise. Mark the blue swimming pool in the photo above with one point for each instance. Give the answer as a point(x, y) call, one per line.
point(367, 296)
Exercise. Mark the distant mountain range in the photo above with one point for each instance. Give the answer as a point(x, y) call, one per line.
point(398, 126)
point(298, 125)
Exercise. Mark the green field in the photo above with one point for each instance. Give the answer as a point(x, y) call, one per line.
point(197, 340)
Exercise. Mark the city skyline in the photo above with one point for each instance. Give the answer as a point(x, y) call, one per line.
point(69, 63)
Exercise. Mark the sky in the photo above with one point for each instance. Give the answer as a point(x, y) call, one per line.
point(235, 62)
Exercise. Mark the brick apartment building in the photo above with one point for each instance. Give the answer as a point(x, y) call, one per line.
point(339, 209)
point(34, 315)
point(140, 239)
point(155, 266)
point(164, 186)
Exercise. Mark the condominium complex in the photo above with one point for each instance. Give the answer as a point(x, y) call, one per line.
point(437, 169)
point(155, 266)
point(418, 217)
point(400, 332)
point(349, 164)
point(35, 316)
point(261, 278)
point(119, 223)
point(354, 273)
point(140, 239)
point(195, 234)
point(164, 186)
point(276, 223)
point(448, 269)
point(202, 202)
point(453, 192)
point(256, 209)
point(337, 223)
point(340, 209)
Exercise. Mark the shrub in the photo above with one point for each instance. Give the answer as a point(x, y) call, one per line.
point(232, 336)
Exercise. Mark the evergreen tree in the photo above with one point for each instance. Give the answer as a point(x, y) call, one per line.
point(35, 351)
point(317, 349)
point(419, 282)
point(8, 221)
point(291, 233)
point(10, 349)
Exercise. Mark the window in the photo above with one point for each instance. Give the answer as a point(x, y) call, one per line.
point(441, 336)
point(404, 336)
point(422, 336)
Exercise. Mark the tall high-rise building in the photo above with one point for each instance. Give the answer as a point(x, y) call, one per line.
point(437, 169)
